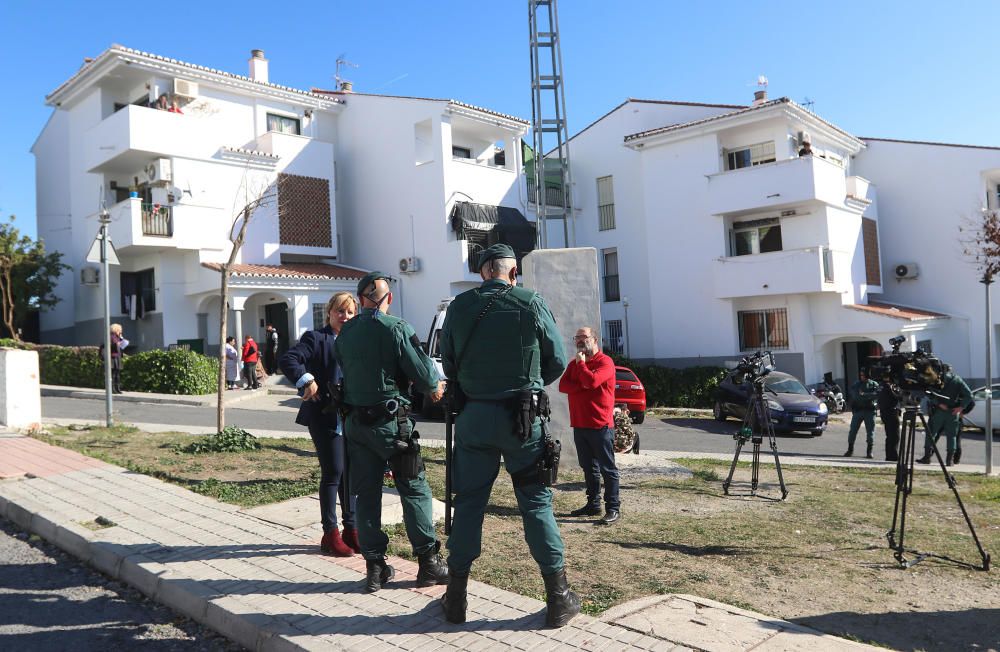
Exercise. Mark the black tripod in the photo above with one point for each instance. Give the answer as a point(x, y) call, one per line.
point(904, 486)
point(756, 424)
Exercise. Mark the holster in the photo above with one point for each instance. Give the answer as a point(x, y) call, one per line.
point(454, 398)
point(334, 400)
point(545, 470)
point(406, 463)
point(527, 406)
point(371, 415)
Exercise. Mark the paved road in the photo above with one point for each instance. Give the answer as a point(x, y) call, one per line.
point(49, 602)
point(266, 412)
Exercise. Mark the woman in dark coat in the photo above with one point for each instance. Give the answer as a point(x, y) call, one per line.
point(311, 366)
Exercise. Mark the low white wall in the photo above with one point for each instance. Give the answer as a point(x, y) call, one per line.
point(20, 393)
point(568, 280)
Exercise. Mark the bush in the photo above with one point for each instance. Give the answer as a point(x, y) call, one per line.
point(230, 440)
point(170, 372)
point(78, 366)
point(693, 387)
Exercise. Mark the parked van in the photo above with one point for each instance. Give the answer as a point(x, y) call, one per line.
point(432, 346)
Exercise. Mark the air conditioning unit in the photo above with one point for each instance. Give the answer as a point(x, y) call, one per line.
point(804, 137)
point(90, 276)
point(906, 270)
point(185, 88)
point(409, 265)
point(159, 171)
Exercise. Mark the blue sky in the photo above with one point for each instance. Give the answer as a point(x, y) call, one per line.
point(914, 70)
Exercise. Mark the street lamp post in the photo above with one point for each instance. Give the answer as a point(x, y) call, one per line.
point(988, 423)
point(627, 343)
point(105, 220)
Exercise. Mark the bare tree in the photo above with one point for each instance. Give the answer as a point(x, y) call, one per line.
point(255, 197)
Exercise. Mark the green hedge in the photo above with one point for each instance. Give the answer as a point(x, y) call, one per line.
point(168, 372)
point(693, 387)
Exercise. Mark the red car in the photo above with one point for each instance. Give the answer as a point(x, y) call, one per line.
point(630, 393)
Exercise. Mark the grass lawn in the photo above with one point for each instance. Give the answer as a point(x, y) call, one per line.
point(823, 551)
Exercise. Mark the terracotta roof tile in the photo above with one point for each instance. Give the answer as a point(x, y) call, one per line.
point(293, 270)
point(898, 312)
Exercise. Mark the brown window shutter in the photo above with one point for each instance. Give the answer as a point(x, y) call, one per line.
point(873, 268)
point(304, 211)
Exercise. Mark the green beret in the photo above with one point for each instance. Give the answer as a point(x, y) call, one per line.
point(498, 250)
point(370, 278)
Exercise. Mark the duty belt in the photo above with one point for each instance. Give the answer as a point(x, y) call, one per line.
point(372, 414)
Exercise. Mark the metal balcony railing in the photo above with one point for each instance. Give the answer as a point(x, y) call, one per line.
point(157, 220)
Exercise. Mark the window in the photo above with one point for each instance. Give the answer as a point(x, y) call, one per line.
point(749, 156)
point(611, 290)
point(606, 203)
point(283, 124)
point(319, 316)
point(827, 265)
point(138, 290)
point(461, 152)
point(756, 237)
point(763, 329)
point(927, 346)
point(869, 235)
point(614, 342)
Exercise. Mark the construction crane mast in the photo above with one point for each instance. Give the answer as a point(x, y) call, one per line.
point(550, 187)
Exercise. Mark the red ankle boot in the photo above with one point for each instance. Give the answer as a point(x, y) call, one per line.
point(351, 539)
point(332, 544)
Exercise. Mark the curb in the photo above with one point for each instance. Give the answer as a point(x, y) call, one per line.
point(207, 400)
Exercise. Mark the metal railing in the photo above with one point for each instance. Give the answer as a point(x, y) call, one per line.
point(157, 220)
point(553, 194)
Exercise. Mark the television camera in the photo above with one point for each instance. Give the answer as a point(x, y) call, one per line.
point(907, 371)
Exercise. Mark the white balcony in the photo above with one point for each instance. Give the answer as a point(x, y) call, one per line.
point(776, 185)
point(814, 269)
point(136, 226)
point(126, 140)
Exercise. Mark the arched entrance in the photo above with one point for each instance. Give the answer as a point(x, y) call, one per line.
point(844, 357)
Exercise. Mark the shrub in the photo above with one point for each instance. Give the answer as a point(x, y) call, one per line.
point(170, 372)
point(230, 440)
point(78, 366)
point(693, 387)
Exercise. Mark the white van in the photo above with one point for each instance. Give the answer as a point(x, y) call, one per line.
point(432, 346)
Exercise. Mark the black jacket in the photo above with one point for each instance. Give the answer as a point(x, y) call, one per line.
point(313, 354)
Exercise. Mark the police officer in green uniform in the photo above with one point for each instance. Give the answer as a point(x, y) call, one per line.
point(950, 399)
point(499, 344)
point(864, 400)
point(378, 355)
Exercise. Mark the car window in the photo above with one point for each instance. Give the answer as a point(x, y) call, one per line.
point(624, 374)
point(786, 385)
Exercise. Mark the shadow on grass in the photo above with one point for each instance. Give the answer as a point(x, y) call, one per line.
point(690, 551)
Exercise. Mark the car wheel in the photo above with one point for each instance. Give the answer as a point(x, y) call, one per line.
point(637, 417)
point(718, 412)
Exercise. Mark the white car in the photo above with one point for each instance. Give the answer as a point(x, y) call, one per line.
point(977, 417)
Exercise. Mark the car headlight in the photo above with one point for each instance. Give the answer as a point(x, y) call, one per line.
point(774, 405)
point(822, 408)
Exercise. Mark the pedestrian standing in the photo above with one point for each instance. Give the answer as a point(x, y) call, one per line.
point(232, 363)
point(251, 354)
point(864, 399)
point(375, 351)
point(312, 366)
point(589, 381)
point(271, 350)
point(500, 345)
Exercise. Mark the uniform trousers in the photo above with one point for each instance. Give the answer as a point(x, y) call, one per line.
point(332, 454)
point(857, 418)
point(485, 432)
point(942, 423)
point(890, 422)
point(369, 447)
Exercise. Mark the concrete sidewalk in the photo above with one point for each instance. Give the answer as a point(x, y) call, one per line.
point(263, 584)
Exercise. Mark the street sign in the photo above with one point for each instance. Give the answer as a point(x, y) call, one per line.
point(94, 255)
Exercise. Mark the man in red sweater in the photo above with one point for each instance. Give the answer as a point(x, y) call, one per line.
point(590, 383)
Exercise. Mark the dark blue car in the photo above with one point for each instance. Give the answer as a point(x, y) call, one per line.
point(791, 406)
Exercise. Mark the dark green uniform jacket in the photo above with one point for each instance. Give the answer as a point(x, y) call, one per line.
point(958, 395)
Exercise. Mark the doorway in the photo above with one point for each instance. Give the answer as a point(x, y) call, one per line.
point(277, 314)
point(855, 356)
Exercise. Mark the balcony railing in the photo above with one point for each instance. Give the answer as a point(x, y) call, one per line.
point(157, 220)
point(553, 194)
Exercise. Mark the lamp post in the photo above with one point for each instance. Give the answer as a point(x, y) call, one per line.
point(105, 219)
point(987, 280)
point(627, 347)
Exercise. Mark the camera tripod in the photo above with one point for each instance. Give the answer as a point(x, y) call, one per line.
point(904, 486)
point(756, 424)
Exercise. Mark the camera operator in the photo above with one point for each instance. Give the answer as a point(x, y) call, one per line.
point(888, 409)
point(949, 399)
point(864, 397)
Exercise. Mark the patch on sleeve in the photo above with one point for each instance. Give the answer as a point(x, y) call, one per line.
point(415, 341)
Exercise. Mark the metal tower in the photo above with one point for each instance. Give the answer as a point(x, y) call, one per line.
point(552, 182)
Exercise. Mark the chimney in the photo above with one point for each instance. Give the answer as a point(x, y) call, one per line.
point(258, 66)
point(759, 97)
point(346, 86)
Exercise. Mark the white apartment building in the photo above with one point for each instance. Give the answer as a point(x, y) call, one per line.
point(716, 237)
point(400, 184)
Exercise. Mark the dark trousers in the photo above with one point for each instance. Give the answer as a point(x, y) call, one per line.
point(250, 374)
point(116, 374)
point(595, 450)
point(332, 454)
point(890, 421)
point(270, 361)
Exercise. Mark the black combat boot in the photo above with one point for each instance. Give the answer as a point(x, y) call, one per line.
point(379, 574)
point(561, 603)
point(948, 459)
point(957, 456)
point(868, 454)
point(455, 600)
point(850, 452)
point(926, 459)
point(432, 568)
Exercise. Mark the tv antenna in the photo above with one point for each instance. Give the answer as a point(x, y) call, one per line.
point(341, 63)
point(762, 82)
point(808, 104)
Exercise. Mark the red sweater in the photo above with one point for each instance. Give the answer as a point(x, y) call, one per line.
point(591, 389)
point(247, 347)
